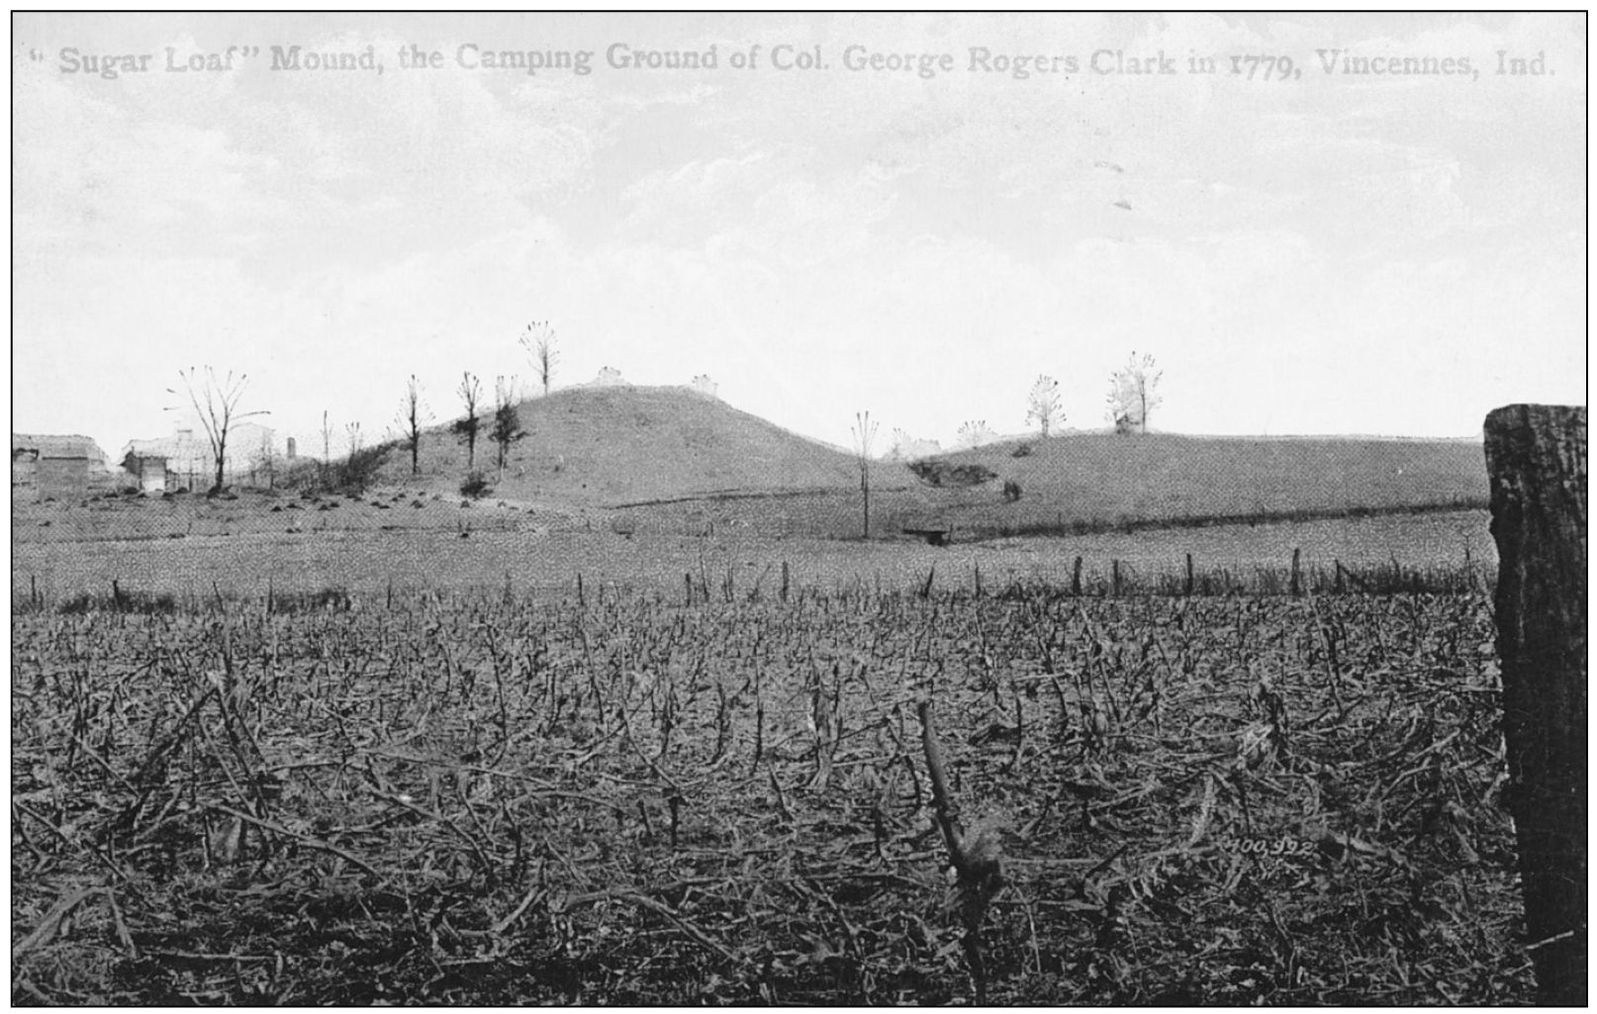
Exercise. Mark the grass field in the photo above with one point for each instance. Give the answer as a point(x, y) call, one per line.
point(546, 561)
point(483, 800)
point(1087, 481)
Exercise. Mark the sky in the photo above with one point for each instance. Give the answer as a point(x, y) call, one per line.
point(1320, 252)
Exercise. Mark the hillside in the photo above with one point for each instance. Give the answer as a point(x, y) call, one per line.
point(1107, 478)
point(635, 446)
point(627, 444)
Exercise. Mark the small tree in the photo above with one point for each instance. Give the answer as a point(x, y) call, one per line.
point(975, 432)
point(901, 439)
point(467, 429)
point(1134, 394)
point(216, 403)
point(907, 447)
point(864, 436)
point(506, 428)
point(352, 434)
point(1042, 404)
point(412, 414)
point(539, 341)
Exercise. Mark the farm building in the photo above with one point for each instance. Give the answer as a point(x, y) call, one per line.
point(148, 469)
point(51, 467)
point(189, 461)
point(186, 460)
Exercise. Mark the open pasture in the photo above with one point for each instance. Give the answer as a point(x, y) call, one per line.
point(489, 798)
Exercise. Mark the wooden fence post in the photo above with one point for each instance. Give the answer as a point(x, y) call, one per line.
point(1536, 455)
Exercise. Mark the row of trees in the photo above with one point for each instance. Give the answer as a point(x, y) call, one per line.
point(502, 425)
point(1133, 395)
point(216, 401)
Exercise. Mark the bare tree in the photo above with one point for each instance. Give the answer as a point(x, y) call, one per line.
point(412, 414)
point(352, 433)
point(1134, 394)
point(864, 436)
point(1042, 404)
point(506, 428)
point(470, 392)
point(216, 403)
point(539, 341)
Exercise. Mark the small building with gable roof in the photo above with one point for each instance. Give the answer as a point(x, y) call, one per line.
point(55, 467)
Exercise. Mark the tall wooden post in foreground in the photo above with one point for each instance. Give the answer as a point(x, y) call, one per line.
point(1536, 455)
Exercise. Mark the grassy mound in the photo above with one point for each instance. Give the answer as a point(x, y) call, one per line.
point(625, 444)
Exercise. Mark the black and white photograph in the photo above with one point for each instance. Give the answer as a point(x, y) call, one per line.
point(809, 508)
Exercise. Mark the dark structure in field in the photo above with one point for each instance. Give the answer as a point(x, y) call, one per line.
point(49, 467)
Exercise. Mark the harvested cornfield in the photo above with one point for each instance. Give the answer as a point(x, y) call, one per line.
point(492, 800)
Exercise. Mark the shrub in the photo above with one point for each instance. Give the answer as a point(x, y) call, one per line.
point(1011, 491)
point(942, 473)
point(1023, 451)
point(475, 486)
point(359, 470)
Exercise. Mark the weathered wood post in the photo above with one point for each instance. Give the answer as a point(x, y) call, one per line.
point(1536, 455)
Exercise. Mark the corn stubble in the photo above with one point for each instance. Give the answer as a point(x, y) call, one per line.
point(621, 799)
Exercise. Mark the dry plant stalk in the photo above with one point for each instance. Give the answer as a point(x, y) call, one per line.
point(976, 858)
